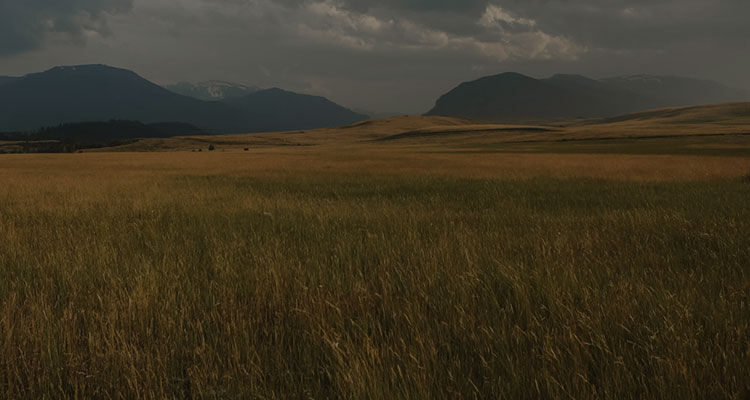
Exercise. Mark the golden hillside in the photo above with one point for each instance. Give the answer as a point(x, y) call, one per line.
point(710, 120)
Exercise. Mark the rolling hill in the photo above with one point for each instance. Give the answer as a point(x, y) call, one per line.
point(731, 114)
point(717, 120)
point(101, 93)
point(512, 97)
point(712, 125)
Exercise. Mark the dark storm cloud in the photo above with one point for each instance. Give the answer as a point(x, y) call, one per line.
point(24, 24)
point(386, 54)
point(638, 24)
point(611, 23)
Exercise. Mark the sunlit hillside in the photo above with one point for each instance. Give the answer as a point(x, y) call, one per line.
point(713, 125)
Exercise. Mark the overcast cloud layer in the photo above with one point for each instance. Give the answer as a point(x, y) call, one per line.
point(388, 55)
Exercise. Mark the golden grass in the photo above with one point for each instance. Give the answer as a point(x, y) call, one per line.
point(386, 161)
point(373, 272)
point(356, 133)
point(454, 261)
point(721, 119)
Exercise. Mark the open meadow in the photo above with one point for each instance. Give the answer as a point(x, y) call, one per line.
point(410, 257)
point(306, 272)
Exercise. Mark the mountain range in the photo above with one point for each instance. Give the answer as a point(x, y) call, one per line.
point(513, 97)
point(99, 93)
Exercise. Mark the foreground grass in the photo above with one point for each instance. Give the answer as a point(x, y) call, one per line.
point(372, 286)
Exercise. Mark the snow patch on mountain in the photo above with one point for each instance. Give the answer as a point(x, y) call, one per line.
point(212, 90)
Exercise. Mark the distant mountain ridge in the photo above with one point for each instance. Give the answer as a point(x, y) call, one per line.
point(513, 97)
point(275, 109)
point(212, 90)
point(675, 91)
point(101, 93)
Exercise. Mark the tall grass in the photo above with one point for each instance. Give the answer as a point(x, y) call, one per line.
point(368, 286)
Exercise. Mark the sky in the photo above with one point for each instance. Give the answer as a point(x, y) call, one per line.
point(379, 56)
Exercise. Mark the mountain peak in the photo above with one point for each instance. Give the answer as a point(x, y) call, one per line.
point(276, 90)
point(212, 90)
point(571, 77)
point(512, 97)
point(282, 93)
point(88, 74)
point(86, 68)
point(509, 76)
point(641, 78)
point(96, 92)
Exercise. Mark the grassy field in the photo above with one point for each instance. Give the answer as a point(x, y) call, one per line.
point(709, 145)
point(713, 124)
point(313, 273)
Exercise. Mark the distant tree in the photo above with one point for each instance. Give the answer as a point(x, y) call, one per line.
point(211, 148)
